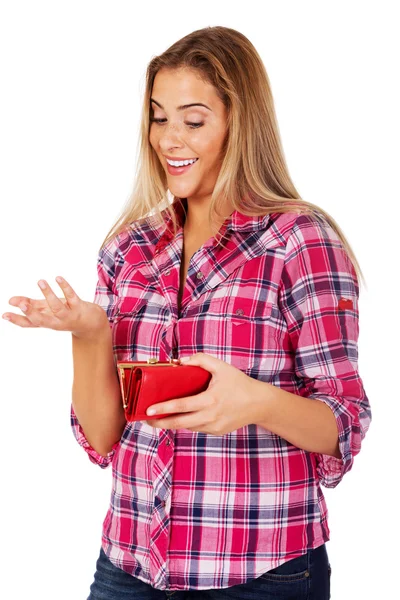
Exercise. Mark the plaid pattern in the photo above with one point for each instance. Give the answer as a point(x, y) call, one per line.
point(191, 510)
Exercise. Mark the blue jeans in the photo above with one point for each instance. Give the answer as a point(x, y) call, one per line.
point(302, 578)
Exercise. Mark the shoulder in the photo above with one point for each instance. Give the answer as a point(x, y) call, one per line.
point(132, 246)
point(303, 232)
point(140, 233)
point(112, 252)
point(304, 225)
point(314, 248)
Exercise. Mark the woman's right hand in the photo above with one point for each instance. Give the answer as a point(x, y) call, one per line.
point(83, 319)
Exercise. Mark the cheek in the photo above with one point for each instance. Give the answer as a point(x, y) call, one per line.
point(211, 149)
point(152, 138)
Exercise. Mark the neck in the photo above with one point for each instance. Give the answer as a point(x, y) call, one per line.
point(197, 217)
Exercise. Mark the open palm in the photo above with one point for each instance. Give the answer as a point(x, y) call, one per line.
point(68, 313)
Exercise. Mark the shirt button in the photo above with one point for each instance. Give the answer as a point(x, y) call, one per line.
point(168, 272)
point(168, 442)
point(240, 311)
point(199, 275)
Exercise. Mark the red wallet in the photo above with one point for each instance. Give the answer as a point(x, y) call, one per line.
point(144, 383)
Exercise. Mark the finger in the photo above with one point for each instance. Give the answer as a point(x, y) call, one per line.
point(180, 405)
point(192, 420)
point(70, 295)
point(37, 304)
point(19, 320)
point(56, 305)
point(30, 313)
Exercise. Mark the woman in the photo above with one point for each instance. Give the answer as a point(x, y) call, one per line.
point(242, 277)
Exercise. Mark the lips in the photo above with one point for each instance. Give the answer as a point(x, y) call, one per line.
point(179, 170)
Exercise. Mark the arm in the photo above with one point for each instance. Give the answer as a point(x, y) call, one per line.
point(97, 417)
point(302, 422)
point(96, 396)
point(323, 335)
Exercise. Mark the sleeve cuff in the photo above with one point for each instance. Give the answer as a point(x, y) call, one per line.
point(94, 456)
point(330, 469)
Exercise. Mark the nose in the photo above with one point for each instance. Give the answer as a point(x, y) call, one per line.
point(170, 137)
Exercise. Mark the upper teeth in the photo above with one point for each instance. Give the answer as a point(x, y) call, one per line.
point(181, 163)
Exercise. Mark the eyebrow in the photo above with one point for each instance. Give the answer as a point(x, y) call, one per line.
point(184, 106)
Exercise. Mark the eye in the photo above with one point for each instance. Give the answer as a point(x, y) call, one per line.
point(191, 125)
point(195, 125)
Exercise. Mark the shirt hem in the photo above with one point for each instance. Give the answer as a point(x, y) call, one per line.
point(106, 544)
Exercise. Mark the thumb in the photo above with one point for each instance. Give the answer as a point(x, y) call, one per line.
point(208, 362)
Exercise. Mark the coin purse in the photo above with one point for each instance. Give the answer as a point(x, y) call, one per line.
point(144, 383)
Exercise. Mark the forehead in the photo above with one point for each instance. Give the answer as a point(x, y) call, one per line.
point(180, 86)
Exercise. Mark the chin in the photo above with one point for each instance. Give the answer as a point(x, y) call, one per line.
point(181, 191)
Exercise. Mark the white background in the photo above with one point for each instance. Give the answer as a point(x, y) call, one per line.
point(72, 77)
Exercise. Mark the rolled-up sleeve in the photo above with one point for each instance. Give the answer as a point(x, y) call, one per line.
point(108, 264)
point(94, 456)
point(319, 295)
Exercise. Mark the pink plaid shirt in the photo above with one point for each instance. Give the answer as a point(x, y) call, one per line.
point(192, 510)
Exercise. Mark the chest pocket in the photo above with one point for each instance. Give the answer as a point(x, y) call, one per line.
point(137, 328)
point(238, 330)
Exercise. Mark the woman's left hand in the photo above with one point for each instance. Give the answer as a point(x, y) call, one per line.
point(232, 400)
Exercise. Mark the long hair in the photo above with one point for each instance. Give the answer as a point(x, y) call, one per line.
point(254, 177)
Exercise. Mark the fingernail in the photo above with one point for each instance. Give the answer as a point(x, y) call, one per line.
point(59, 279)
point(41, 284)
point(6, 317)
point(151, 411)
point(23, 307)
point(185, 359)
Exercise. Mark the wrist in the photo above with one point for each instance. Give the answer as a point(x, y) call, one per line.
point(260, 394)
point(95, 333)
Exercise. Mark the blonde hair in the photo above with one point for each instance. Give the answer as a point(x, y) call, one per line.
point(254, 177)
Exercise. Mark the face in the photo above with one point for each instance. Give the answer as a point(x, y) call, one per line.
point(195, 132)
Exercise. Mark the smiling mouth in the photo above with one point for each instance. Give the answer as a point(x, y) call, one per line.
point(180, 170)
